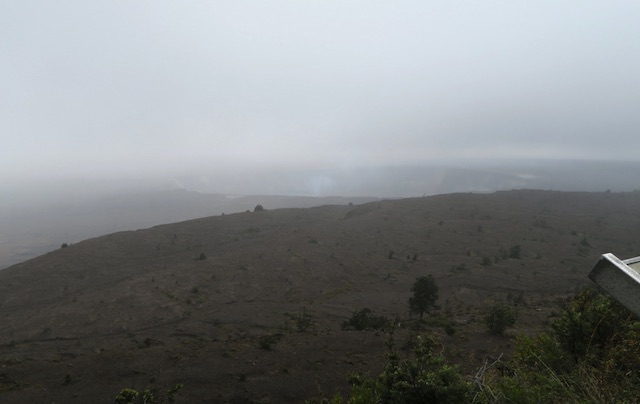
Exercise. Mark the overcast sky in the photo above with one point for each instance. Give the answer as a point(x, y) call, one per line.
point(110, 88)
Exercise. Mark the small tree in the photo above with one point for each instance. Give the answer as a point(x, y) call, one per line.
point(258, 208)
point(499, 317)
point(425, 295)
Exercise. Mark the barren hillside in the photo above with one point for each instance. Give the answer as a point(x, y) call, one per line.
point(194, 302)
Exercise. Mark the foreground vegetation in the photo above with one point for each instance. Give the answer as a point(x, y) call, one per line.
point(590, 352)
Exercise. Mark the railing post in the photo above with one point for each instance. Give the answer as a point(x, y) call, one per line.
point(619, 278)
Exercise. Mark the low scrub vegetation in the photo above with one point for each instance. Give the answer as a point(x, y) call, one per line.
point(132, 396)
point(590, 352)
point(300, 321)
point(267, 342)
point(365, 320)
point(423, 376)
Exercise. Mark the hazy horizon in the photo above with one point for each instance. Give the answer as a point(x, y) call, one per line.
point(118, 91)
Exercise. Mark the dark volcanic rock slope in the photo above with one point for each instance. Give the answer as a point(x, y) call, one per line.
point(193, 302)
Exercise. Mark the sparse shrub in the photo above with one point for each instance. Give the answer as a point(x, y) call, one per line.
point(131, 396)
point(303, 321)
point(365, 320)
point(439, 319)
point(266, 342)
point(149, 398)
point(459, 268)
point(64, 245)
point(515, 252)
point(500, 316)
point(258, 208)
point(390, 255)
point(202, 257)
point(68, 379)
point(126, 396)
point(450, 329)
point(171, 393)
point(486, 262)
point(517, 298)
point(584, 242)
point(425, 295)
point(541, 223)
point(336, 399)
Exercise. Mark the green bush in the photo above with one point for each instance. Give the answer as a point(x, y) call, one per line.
point(500, 316)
